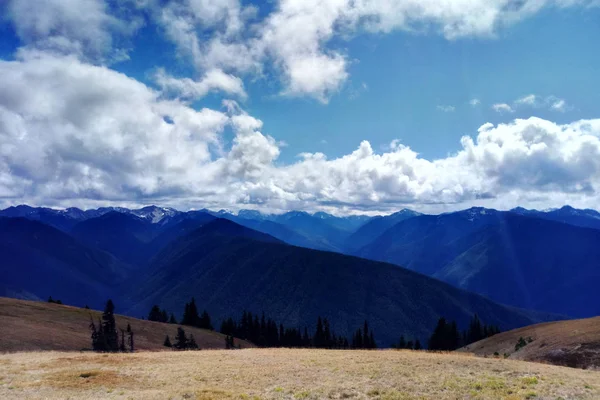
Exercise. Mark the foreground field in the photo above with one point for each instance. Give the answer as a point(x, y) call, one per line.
point(286, 374)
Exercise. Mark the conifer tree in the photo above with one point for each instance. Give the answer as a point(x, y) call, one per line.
point(190, 314)
point(204, 321)
point(191, 344)
point(402, 342)
point(372, 344)
point(167, 342)
point(109, 327)
point(122, 345)
point(172, 320)
point(418, 345)
point(130, 339)
point(181, 340)
point(97, 336)
point(155, 314)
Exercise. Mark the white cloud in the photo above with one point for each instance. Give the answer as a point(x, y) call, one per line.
point(213, 80)
point(297, 35)
point(558, 105)
point(81, 27)
point(102, 135)
point(446, 108)
point(551, 102)
point(502, 107)
point(474, 102)
point(106, 137)
point(527, 100)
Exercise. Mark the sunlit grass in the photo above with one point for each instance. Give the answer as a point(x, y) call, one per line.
point(287, 374)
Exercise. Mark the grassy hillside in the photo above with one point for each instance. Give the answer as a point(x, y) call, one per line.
point(287, 374)
point(573, 343)
point(30, 325)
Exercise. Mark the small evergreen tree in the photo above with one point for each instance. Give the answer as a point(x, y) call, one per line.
point(109, 327)
point(190, 314)
point(418, 345)
point(402, 342)
point(154, 314)
point(122, 346)
point(192, 343)
point(167, 342)
point(130, 339)
point(172, 320)
point(181, 340)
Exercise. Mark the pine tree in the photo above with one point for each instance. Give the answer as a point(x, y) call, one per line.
point(418, 345)
point(97, 336)
point(402, 342)
point(122, 346)
point(172, 320)
point(305, 338)
point(409, 345)
point(167, 342)
point(327, 342)
point(109, 328)
point(319, 334)
point(190, 314)
point(372, 344)
point(204, 321)
point(130, 339)
point(154, 314)
point(164, 317)
point(192, 343)
point(181, 340)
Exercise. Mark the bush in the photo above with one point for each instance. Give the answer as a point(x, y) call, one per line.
point(521, 343)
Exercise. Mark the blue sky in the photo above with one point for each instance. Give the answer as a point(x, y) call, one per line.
point(276, 80)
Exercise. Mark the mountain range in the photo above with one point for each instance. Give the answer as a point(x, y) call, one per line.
point(296, 266)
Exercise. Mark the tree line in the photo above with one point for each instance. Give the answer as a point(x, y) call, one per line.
point(446, 335)
point(265, 332)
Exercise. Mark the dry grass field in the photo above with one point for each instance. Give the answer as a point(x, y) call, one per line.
point(574, 343)
point(286, 374)
point(33, 325)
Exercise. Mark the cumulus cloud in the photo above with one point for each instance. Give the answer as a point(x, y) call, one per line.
point(297, 35)
point(502, 107)
point(82, 27)
point(73, 131)
point(107, 137)
point(474, 102)
point(70, 129)
point(527, 100)
point(551, 102)
point(186, 88)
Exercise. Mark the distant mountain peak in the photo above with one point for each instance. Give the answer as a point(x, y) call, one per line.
point(154, 214)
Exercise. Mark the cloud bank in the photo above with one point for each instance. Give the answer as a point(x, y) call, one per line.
point(73, 131)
